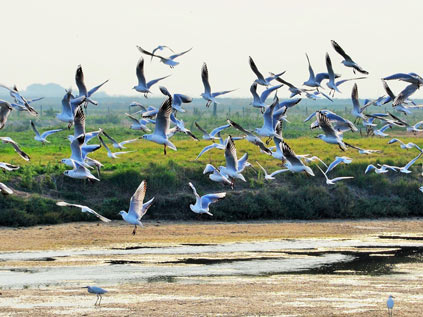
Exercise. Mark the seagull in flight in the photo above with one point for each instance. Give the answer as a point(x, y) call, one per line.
point(234, 167)
point(252, 138)
point(207, 94)
point(217, 176)
point(5, 110)
point(79, 79)
point(21, 100)
point(271, 176)
point(212, 135)
point(110, 154)
point(381, 169)
point(177, 99)
point(161, 130)
point(43, 137)
point(338, 160)
point(260, 78)
point(139, 124)
point(330, 135)
point(8, 167)
point(170, 61)
point(293, 161)
point(144, 86)
point(403, 145)
point(83, 209)
point(117, 145)
point(22, 154)
point(161, 48)
point(80, 172)
point(311, 81)
point(137, 209)
point(202, 203)
point(221, 145)
point(333, 180)
point(260, 101)
point(348, 62)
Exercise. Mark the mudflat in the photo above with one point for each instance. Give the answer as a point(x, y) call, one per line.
point(313, 268)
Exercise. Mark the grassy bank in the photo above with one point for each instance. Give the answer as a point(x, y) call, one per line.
point(40, 183)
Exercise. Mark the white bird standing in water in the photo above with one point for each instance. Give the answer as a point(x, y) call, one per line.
point(137, 209)
point(98, 291)
point(202, 203)
point(390, 305)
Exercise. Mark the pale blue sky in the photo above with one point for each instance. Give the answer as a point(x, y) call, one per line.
point(44, 41)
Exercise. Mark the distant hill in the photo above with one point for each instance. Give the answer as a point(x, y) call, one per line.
point(50, 90)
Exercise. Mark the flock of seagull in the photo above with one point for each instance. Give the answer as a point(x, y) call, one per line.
point(274, 115)
point(161, 124)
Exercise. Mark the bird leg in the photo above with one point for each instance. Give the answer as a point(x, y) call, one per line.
point(135, 230)
point(99, 303)
point(269, 139)
point(164, 149)
point(96, 301)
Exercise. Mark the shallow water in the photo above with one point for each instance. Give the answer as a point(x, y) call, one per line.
point(372, 256)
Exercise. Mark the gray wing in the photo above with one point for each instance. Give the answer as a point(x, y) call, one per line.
point(412, 161)
point(146, 206)
point(354, 98)
point(200, 128)
point(255, 69)
point(47, 133)
point(289, 154)
point(325, 124)
point(207, 148)
point(152, 82)
point(334, 164)
point(140, 72)
point(132, 118)
point(205, 79)
point(109, 137)
point(242, 162)
point(179, 54)
point(76, 148)
point(216, 94)
point(340, 82)
point(135, 205)
point(206, 200)
point(268, 91)
point(5, 109)
point(310, 69)
point(34, 128)
point(163, 118)
point(79, 79)
point(79, 122)
point(238, 127)
point(194, 190)
point(5, 190)
point(340, 51)
point(219, 129)
point(329, 67)
point(16, 147)
point(148, 53)
point(407, 92)
point(93, 90)
point(230, 155)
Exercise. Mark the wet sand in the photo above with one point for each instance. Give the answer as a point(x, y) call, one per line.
point(328, 268)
